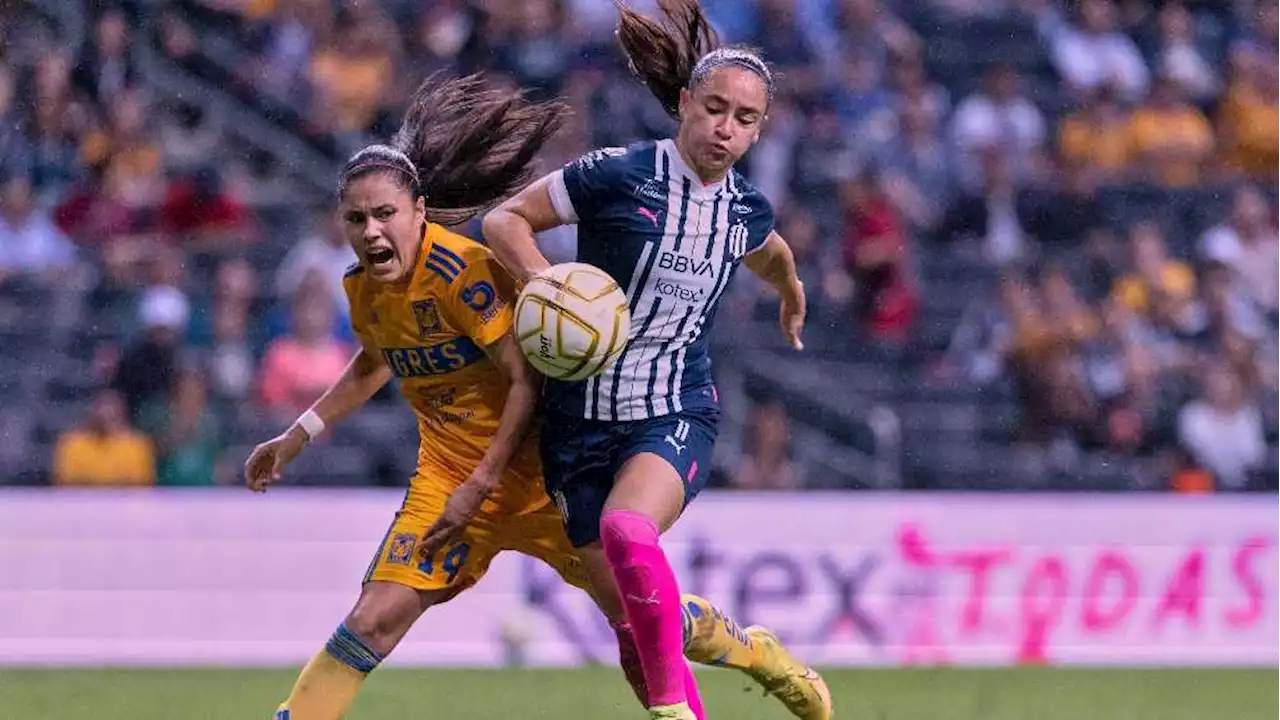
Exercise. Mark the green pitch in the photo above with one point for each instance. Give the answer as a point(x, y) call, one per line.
point(600, 694)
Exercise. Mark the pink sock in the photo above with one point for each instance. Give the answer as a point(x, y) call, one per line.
point(630, 661)
point(651, 600)
point(693, 697)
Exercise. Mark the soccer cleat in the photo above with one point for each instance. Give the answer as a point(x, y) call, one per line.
point(799, 687)
point(672, 712)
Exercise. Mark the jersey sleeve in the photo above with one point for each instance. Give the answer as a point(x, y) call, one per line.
point(581, 188)
point(480, 301)
point(759, 221)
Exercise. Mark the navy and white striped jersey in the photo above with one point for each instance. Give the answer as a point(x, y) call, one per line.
point(673, 244)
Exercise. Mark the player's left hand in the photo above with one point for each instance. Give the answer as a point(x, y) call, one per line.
point(791, 316)
point(461, 507)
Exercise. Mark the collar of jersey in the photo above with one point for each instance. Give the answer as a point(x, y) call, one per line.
point(681, 168)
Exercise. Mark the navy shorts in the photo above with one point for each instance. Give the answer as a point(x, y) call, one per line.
point(581, 458)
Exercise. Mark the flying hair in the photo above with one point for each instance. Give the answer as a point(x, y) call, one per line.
point(462, 146)
point(680, 50)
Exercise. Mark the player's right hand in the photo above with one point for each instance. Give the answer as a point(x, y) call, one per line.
point(266, 462)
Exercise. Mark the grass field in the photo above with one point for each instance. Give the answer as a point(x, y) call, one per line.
point(599, 694)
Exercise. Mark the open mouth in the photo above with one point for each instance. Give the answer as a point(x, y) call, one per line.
point(380, 256)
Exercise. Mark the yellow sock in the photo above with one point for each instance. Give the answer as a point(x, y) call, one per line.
point(713, 638)
point(328, 684)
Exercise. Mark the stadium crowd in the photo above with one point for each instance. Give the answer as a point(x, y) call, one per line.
point(133, 236)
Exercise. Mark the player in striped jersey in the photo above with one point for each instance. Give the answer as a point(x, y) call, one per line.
point(625, 452)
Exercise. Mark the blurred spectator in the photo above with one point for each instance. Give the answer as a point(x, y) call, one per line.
point(998, 117)
point(1095, 139)
point(229, 358)
point(823, 158)
point(1222, 430)
point(917, 175)
point(106, 68)
point(322, 251)
point(766, 464)
point(146, 371)
point(1249, 245)
point(1249, 119)
point(877, 255)
point(1047, 329)
point(1170, 139)
point(199, 214)
point(533, 48)
point(106, 451)
point(189, 137)
point(351, 77)
point(1178, 57)
point(864, 105)
point(300, 366)
point(1251, 112)
point(911, 86)
point(1157, 287)
point(996, 216)
point(1094, 53)
point(29, 241)
point(186, 433)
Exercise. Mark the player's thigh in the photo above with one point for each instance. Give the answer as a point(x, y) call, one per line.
point(446, 572)
point(665, 464)
point(578, 465)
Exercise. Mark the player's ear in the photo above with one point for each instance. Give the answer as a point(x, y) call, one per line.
point(420, 207)
point(686, 98)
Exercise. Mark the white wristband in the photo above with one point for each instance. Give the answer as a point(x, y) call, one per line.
point(311, 424)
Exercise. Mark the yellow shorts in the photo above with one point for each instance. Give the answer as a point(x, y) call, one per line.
point(539, 533)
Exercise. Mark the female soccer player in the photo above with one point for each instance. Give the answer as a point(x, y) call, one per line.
point(625, 452)
point(434, 309)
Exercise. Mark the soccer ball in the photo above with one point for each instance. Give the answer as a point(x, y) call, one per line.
point(572, 321)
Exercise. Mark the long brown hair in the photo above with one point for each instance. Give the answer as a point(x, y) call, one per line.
point(462, 146)
point(663, 53)
point(680, 50)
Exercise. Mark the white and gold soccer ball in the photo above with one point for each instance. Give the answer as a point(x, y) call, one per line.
point(572, 321)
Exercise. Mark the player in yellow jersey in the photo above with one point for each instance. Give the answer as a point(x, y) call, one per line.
point(433, 309)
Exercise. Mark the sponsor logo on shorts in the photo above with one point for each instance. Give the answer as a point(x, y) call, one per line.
point(401, 550)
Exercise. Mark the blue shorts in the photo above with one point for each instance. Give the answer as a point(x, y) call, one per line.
point(581, 458)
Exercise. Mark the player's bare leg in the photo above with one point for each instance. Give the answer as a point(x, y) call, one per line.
point(328, 684)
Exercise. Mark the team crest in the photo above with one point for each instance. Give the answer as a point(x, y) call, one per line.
point(401, 550)
point(428, 317)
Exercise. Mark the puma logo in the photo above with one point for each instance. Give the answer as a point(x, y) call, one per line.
point(647, 213)
point(651, 600)
point(672, 442)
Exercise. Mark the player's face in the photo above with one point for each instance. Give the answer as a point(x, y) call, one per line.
point(720, 120)
point(383, 223)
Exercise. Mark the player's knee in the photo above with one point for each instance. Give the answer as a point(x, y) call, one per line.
point(622, 530)
point(376, 626)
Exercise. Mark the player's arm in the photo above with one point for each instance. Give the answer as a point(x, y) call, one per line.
point(509, 229)
point(517, 414)
point(774, 263)
point(364, 375)
point(567, 196)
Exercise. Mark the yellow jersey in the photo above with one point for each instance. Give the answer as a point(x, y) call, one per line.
point(432, 332)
